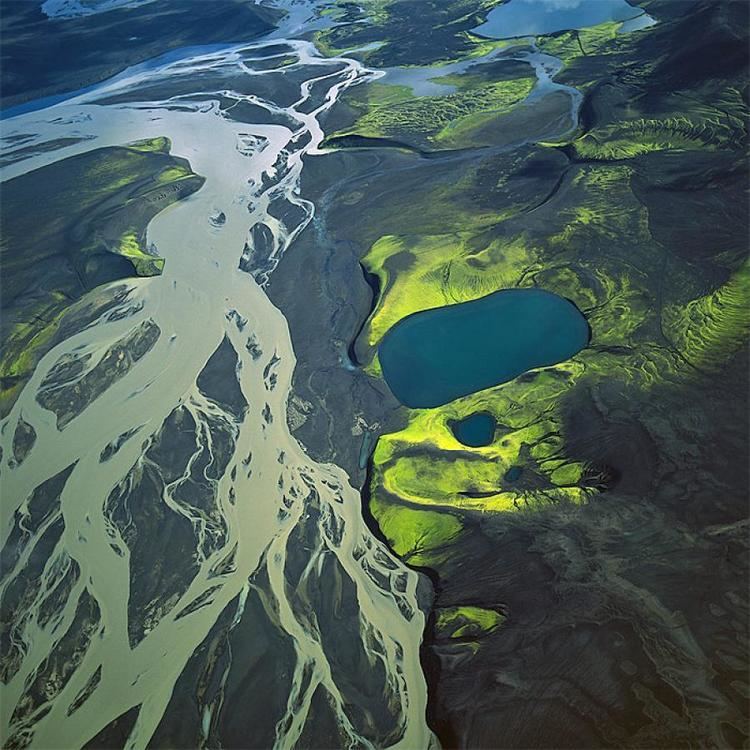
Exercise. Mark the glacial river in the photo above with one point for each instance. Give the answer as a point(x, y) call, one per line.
point(269, 500)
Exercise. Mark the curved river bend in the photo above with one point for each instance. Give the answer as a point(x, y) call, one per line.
point(113, 609)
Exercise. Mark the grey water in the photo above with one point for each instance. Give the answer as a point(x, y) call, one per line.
point(517, 18)
point(436, 356)
point(424, 80)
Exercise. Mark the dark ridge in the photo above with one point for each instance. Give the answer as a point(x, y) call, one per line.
point(353, 140)
point(116, 733)
point(360, 141)
point(429, 660)
point(374, 283)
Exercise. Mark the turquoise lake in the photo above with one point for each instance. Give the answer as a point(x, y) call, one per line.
point(436, 356)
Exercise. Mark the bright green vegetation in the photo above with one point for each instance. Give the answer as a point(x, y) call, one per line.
point(399, 25)
point(466, 622)
point(697, 126)
point(71, 226)
point(160, 145)
point(667, 306)
point(420, 537)
point(710, 325)
point(577, 43)
point(433, 121)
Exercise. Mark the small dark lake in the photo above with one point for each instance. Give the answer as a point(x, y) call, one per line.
point(532, 17)
point(435, 356)
point(476, 430)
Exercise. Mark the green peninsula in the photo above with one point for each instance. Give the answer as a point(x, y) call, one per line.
point(88, 228)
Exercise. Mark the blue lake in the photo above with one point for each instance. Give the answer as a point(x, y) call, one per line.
point(476, 430)
point(518, 18)
point(435, 356)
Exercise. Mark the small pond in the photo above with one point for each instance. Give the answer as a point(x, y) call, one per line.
point(518, 18)
point(476, 430)
point(435, 356)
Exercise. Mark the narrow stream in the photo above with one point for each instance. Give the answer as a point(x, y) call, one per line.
point(136, 600)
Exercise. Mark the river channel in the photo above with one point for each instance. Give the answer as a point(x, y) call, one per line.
point(262, 499)
point(174, 520)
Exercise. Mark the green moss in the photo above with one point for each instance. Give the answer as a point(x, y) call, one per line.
point(173, 174)
point(86, 209)
point(143, 263)
point(417, 536)
point(709, 329)
point(25, 343)
point(466, 622)
point(684, 132)
point(570, 45)
point(443, 121)
point(160, 145)
point(425, 465)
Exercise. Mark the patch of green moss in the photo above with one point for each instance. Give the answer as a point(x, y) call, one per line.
point(466, 622)
point(437, 121)
point(420, 537)
point(24, 344)
point(689, 131)
point(399, 26)
point(66, 227)
point(159, 145)
point(426, 466)
point(594, 40)
point(712, 327)
point(144, 264)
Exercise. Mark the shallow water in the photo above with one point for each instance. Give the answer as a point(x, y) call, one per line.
point(436, 356)
point(519, 18)
point(277, 540)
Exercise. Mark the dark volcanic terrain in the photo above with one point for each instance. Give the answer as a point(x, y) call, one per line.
point(608, 608)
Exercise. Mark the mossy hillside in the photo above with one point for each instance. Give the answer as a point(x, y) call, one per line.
point(685, 125)
point(24, 344)
point(399, 26)
point(594, 248)
point(432, 121)
point(592, 42)
point(420, 537)
point(88, 227)
point(466, 622)
point(707, 326)
point(602, 230)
